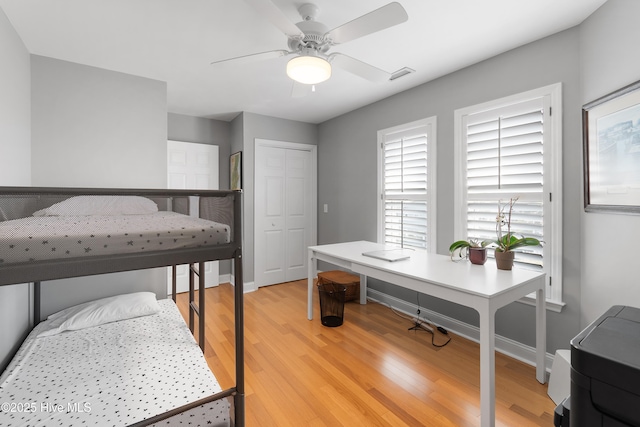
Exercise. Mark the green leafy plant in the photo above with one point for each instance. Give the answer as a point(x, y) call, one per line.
point(461, 247)
point(509, 241)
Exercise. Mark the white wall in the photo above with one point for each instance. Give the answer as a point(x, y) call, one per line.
point(15, 169)
point(609, 60)
point(97, 128)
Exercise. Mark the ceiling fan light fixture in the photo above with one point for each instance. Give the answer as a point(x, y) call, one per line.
point(309, 70)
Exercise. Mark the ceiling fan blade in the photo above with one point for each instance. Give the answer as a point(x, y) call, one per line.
point(359, 68)
point(269, 10)
point(246, 59)
point(384, 17)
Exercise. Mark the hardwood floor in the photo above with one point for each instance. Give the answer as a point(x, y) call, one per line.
point(371, 371)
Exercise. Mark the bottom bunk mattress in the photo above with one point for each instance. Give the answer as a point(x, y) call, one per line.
point(116, 374)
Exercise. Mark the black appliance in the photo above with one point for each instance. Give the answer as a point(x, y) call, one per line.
point(605, 371)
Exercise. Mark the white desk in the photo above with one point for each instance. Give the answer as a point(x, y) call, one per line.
point(483, 288)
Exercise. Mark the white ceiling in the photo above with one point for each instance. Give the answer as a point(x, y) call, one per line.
point(176, 40)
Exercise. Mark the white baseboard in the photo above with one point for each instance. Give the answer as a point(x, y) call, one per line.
point(507, 346)
point(248, 286)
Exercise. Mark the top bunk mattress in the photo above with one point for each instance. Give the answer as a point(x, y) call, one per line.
point(41, 238)
point(114, 374)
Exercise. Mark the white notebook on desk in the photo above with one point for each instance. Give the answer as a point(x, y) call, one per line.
point(391, 255)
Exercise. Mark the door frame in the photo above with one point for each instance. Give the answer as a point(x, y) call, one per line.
point(313, 150)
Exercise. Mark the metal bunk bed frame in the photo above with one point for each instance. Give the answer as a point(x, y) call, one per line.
point(37, 272)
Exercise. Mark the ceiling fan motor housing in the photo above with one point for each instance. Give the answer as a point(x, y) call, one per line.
point(314, 32)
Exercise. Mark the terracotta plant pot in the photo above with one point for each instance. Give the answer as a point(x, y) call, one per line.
point(478, 255)
point(504, 260)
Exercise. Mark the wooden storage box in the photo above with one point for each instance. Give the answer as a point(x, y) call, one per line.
point(348, 280)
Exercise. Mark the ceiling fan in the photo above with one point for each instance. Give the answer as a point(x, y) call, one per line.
point(309, 42)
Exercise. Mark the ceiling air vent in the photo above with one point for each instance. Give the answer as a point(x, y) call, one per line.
point(401, 73)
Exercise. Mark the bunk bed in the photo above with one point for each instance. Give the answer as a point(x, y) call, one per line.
point(56, 233)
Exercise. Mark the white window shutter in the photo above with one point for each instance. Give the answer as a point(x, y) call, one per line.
point(505, 159)
point(405, 186)
point(512, 147)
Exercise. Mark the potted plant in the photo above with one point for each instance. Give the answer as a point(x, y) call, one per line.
point(507, 242)
point(473, 249)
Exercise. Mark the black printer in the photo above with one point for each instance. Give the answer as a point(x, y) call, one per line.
point(605, 371)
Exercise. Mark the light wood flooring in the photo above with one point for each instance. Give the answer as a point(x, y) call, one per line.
point(371, 371)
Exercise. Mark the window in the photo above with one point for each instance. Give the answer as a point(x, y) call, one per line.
point(508, 148)
point(406, 171)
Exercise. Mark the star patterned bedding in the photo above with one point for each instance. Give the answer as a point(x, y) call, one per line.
point(114, 374)
point(40, 238)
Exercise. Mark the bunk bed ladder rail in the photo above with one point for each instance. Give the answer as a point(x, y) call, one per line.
point(197, 309)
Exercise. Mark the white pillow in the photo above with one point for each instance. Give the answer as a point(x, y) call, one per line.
point(99, 312)
point(100, 205)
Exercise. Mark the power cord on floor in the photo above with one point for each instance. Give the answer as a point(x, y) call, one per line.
point(419, 324)
point(427, 328)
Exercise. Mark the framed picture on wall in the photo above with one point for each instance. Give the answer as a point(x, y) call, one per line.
point(235, 171)
point(611, 137)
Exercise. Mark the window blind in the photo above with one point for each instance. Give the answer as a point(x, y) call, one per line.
point(405, 188)
point(505, 159)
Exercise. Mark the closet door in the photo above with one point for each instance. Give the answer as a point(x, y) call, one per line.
point(298, 214)
point(192, 166)
point(283, 213)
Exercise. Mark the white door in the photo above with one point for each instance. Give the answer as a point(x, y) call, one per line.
point(284, 212)
point(192, 166)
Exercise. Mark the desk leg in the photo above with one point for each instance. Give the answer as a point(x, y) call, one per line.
point(363, 289)
point(312, 272)
point(541, 335)
point(487, 368)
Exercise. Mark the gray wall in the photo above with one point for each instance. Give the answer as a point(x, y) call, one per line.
point(97, 128)
point(609, 60)
point(15, 170)
point(205, 131)
point(15, 108)
point(347, 167)
point(254, 126)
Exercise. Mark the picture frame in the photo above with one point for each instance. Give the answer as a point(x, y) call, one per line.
point(611, 140)
point(235, 171)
